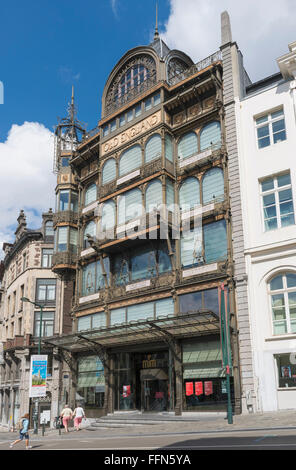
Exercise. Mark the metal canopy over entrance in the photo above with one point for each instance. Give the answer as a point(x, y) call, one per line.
point(151, 330)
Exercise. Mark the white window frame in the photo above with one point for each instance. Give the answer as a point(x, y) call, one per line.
point(285, 291)
point(276, 189)
point(269, 122)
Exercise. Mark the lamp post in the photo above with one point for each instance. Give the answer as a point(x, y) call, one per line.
point(36, 411)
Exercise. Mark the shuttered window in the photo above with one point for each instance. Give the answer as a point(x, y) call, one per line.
point(189, 194)
point(153, 195)
point(90, 229)
point(215, 241)
point(140, 311)
point(210, 135)
point(170, 194)
point(90, 194)
point(118, 315)
point(169, 154)
point(213, 186)
point(187, 145)
point(130, 206)
point(191, 247)
point(109, 171)
point(164, 307)
point(153, 148)
point(130, 160)
point(108, 215)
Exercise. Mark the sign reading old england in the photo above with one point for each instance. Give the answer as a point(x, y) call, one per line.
point(131, 133)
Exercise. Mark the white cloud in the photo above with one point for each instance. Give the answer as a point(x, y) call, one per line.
point(114, 8)
point(26, 178)
point(261, 28)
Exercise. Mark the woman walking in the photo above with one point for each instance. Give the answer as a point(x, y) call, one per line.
point(23, 432)
point(78, 415)
point(66, 414)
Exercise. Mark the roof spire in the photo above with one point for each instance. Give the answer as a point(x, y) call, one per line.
point(156, 34)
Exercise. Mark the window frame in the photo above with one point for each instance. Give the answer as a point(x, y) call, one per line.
point(45, 323)
point(270, 121)
point(45, 282)
point(285, 291)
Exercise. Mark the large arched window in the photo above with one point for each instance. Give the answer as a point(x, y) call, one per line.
point(130, 206)
point(213, 186)
point(108, 215)
point(132, 79)
point(90, 229)
point(90, 194)
point(130, 159)
point(153, 148)
point(153, 196)
point(282, 291)
point(210, 135)
point(187, 145)
point(109, 171)
point(189, 195)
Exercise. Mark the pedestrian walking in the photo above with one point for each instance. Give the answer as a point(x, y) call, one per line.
point(24, 428)
point(67, 415)
point(78, 415)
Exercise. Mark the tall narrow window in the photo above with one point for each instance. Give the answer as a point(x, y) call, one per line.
point(90, 194)
point(189, 195)
point(168, 148)
point(153, 196)
point(270, 128)
point(90, 229)
point(130, 160)
point(277, 201)
point(187, 145)
point(109, 171)
point(153, 148)
point(108, 215)
point(130, 206)
point(64, 200)
point(213, 186)
point(282, 290)
point(215, 241)
point(47, 257)
point(210, 136)
point(62, 238)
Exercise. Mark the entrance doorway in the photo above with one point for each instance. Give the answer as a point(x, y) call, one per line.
point(154, 390)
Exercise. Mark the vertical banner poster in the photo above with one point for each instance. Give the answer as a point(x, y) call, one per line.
point(198, 388)
point(189, 388)
point(208, 388)
point(38, 373)
point(126, 391)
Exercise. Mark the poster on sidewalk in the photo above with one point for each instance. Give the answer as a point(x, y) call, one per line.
point(198, 388)
point(38, 373)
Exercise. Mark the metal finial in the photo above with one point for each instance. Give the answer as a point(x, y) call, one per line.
point(156, 34)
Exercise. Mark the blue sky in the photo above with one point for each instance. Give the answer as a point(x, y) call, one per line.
point(48, 46)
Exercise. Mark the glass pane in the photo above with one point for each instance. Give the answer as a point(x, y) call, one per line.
point(268, 200)
point(263, 131)
point(50, 292)
point(278, 300)
point(287, 220)
point(285, 195)
point(292, 299)
point(283, 180)
point(291, 280)
point(278, 125)
point(138, 110)
point(41, 292)
point(74, 202)
point(280, 328)
point(113, 125)
point(279, 136)
point(276, 283)
point(270, 212)
point(279, 314)
point(277, 114)
point(270, 224)
point(262, 119)
point(266, 185)
point(263, 142)
point(293, 326)
point(286, 208)
point(64, 200)
point(148, 104)
point(156, 99)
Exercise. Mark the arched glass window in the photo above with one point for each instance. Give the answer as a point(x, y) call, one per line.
point(90, 229)
point(108, 215)
point(187, 145)
point(210, 135)
point(130, 160)
point(168, 148)
point(213, 186)
point(130, 206)
point(90, 194)
point(131, 79)
point(109, 171)
point(282, 290)
point(153, 148)
point(189, 195)
point(153, 196)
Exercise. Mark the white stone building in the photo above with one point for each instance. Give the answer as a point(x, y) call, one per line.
point(266, 134)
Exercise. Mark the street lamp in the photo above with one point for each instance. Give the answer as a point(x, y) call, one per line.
point(36, 412)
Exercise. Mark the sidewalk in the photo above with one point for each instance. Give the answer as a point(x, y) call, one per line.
point(199, 424)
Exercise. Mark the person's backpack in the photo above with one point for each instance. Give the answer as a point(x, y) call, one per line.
point(19, 424)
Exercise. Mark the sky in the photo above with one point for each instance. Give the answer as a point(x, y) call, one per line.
point(48, 46)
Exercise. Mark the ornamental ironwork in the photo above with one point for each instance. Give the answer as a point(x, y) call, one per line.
point(188, 72)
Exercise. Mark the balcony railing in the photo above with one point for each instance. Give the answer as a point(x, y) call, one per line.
point(65, 216)
point(64, 258)
point(179, 77)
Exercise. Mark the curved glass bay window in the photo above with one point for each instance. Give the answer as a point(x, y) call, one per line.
point(282, 290)
point(130, 160)
point(213, 186)
point(90, 194)
point(90, 229)
point(204, 246)
point(109, 171)
point(210, 135)
point(143, 263)
point(153, 148)
point(93, 277)
point(188, 145)
point(129, 206)
point(66, 239)
point(67, 200)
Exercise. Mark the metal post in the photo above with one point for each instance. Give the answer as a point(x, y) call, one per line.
point(225, 347)
point(36, 413)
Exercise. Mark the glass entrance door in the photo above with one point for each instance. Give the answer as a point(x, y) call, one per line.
point(155, 395)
